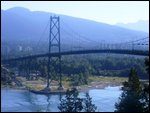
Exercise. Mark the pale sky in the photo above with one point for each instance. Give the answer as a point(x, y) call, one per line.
point(110, 12)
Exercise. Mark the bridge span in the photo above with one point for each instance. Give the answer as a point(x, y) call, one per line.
point(56, 54)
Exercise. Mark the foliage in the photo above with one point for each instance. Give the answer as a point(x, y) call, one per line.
point(8, 77)
point(88, 106)
point(79, 79)
point(131, 99)
point(145, 92)
point(147, 64)
point(145, 96)
point(95, 64)
point(72, 103)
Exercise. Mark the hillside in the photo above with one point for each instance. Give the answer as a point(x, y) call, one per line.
point(22, 24)
point(141, 25)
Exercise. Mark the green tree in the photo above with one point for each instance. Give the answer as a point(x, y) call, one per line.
point(79, 79)
point(147, 64)
point(131, 99)
point(145, 92)
point(71, 103)
point(88, 106)
point(145, 98)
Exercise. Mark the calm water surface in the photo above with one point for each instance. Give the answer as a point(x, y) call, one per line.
point(21, 100)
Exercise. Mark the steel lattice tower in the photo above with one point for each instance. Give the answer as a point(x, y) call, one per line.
point(54, 45)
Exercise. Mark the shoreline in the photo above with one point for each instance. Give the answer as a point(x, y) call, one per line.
point(98, 85)
point(83, 88)
point(13, 88)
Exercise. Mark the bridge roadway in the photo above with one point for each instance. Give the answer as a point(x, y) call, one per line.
point(119, 51)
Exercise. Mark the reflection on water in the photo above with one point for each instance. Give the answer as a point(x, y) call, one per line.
point(17, 100)
point(49, 103)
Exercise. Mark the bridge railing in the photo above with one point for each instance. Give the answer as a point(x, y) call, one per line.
point(110, 47)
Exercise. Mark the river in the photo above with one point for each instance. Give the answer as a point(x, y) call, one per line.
point(22, 100)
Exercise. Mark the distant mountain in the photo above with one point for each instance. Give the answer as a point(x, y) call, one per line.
point(141, 25)
point(22, 24)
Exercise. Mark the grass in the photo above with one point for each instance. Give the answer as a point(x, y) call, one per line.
point(41, 84)
point(107, 79)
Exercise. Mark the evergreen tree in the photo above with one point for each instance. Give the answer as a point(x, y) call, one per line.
point(131, 99)
point(145, 98)
point(71, 103)
point(88, 106)
point(147, 64)
point(145, 92)
point(133, 82)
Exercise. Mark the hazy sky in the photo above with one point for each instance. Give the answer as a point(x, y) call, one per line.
point(110, 12)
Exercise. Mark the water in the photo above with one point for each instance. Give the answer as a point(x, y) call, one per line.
point(19, 100)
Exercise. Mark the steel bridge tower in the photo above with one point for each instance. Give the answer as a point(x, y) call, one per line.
point(54, 46)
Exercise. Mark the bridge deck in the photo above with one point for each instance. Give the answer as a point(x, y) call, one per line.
point(130, 52)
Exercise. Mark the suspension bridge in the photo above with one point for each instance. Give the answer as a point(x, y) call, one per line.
point(136, 47)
